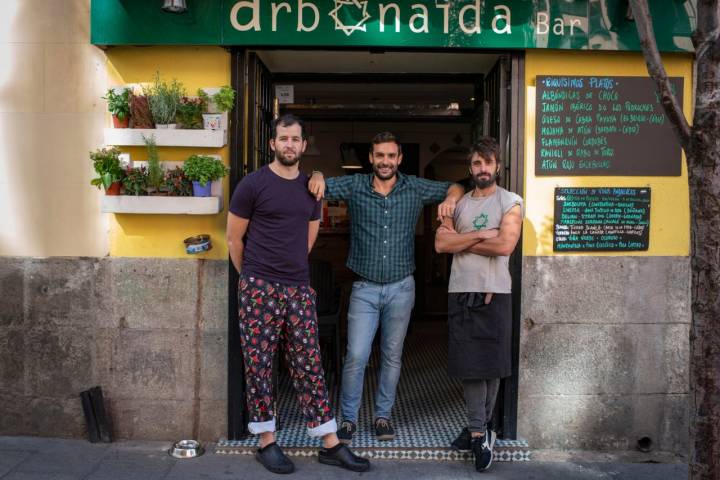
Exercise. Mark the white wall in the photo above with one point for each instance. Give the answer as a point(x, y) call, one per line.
point(51, 115)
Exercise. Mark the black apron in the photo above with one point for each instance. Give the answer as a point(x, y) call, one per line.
point(480, 336)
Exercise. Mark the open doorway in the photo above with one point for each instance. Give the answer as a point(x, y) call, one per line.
point(437, 104)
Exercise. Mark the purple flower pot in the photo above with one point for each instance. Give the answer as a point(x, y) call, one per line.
point(200, 190)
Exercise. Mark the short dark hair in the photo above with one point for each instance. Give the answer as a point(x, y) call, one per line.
point(287, 120)
point(386, 137)
point(485, 147)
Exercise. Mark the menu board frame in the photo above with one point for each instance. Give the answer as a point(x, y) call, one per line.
point(603, 126)
point(590, 234)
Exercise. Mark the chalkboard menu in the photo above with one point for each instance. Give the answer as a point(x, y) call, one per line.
point(603, 126)
point(601, 219)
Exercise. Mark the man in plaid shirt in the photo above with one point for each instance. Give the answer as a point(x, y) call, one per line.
point(384, 207)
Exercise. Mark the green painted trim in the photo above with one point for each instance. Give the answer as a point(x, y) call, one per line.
point(576, 25)
point(142, 22)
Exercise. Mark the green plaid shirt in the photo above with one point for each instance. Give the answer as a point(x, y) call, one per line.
point(382, 229)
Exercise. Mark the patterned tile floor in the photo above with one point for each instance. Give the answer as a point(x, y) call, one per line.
point(428, 413)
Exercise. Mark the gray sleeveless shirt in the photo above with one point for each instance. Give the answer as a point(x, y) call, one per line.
point(478, 273)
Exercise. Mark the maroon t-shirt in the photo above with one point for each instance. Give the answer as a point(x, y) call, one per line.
point(277, 237)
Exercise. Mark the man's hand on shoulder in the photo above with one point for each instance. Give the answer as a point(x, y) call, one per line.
point(446, 208)
point(316, 185)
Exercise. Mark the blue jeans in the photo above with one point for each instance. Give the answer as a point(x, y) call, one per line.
point(371, 304)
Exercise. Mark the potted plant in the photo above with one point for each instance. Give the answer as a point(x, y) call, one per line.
point(106, 163)
point(164, 99)
point(217, 101)
point(135, 181)
point(201, 170)
point(119, 106)
point(189, 113)
point(140, 116)
point(177, 183)
point(155, 172)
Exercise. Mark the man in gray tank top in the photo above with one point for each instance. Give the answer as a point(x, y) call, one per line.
point(481, 236)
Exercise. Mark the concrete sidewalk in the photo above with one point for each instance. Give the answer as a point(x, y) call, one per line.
point(30, 458)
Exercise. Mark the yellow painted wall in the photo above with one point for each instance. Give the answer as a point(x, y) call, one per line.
point(670, 207)
point(163, 235)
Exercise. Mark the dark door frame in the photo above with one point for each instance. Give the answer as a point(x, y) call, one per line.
point(515, 155)
point(249, 137)
point(236, 407)
point(243, 161)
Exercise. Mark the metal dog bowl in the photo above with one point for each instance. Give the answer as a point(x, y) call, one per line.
point(186, 449)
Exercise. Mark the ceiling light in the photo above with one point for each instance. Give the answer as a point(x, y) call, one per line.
point(174, 6)
point(349, 157)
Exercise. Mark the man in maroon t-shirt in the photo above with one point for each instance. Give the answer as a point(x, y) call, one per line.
point(279, 219)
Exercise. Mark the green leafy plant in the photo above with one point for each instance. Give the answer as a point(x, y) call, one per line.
point(204, 97)
point(118, 103)
point(106, 163)
point(203, 169)
point(224, 99)
point(155, 172)
point(189, 112)
point(177, 184)
point(135, 181)
point(164, 99)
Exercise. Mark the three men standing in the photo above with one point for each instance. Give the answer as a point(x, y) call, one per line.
point(482, 234)
point(384, 207)
point(272, 226)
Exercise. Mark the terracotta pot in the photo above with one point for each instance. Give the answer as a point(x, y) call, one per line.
point(125, 123)
point(114, 188)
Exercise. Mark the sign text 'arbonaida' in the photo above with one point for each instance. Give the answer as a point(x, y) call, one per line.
point(474, 24)
point(603, 126)
point(601, 219)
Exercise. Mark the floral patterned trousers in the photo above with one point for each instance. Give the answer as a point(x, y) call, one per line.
point(271, 313)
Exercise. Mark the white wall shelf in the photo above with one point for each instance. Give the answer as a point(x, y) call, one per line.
point(166, 137)
point(161, 205)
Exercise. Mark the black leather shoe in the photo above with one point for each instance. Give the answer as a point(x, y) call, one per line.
point(463, 442)
point(341, 456)
point(273, 458)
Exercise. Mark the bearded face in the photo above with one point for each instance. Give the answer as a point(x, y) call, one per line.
point(485, 180)
point(484, 171)
point(385, 159)
point(288, 157)
point(288, 145)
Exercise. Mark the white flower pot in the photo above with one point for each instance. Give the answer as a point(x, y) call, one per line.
point(171, 126)
point(212, 121)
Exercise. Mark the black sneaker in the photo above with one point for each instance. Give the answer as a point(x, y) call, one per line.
point(346, 432)
point(383, 429)
point(482, 449)
point(492, 438)
point(463, 442)
point(341, 456)
point(273, 458)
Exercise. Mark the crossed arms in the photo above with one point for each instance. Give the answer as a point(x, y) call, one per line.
point(490, 243)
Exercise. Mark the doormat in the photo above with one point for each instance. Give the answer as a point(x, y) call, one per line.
point(429, 413)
